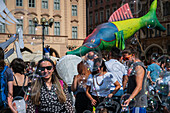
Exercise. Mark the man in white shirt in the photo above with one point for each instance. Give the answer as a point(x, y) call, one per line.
point(116, 68)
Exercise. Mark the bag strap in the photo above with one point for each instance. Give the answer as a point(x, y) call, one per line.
point(95, 90)
point(15, 80)
point(4, 70)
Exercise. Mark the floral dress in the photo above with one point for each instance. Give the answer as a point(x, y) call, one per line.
point(49, 102)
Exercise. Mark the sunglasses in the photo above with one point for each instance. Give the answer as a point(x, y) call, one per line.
point(127, 57)
point(48, 68)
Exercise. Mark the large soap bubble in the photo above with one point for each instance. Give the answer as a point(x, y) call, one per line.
point(23, 25)
point(132, 103)
point(152, 104)
point(151, 23)
point(93, 55)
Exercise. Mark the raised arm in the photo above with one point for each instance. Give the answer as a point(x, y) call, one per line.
point(74, 84)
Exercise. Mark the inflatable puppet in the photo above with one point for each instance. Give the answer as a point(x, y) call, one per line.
point(110, 34)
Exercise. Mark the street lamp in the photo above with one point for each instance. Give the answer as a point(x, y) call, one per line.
point(44, 23)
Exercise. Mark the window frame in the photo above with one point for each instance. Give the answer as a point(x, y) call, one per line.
point(19, 2)
point(31, 4)
point(43, 5)
point(2, 28)
point(55, 28)
point(56, 2)
point(32, 27)
point(74, 32)
point(101, 19)
point(18, 25)
point(74, 10)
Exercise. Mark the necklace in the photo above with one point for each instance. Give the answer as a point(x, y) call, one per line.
point(101, 82)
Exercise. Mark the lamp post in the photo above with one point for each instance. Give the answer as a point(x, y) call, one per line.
point(44, 23)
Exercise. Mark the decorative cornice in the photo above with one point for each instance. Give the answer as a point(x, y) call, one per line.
point(57, 15)
point(19, 12)
point(74, 21)
point(32, 13)
point(72, 0)
point(45, 15)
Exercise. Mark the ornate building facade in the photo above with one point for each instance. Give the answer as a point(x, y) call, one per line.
point(68, 29)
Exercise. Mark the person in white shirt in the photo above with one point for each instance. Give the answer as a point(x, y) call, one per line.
point(116, 68)
point(99, 83)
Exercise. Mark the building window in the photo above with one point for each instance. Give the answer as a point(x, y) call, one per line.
point(101, 17)
point(45, 4)
point(19, 25)
point(57, 28)
point(168, 29)
point(74, 10)
point(107, 14)
point(90, 3)
point(74, 32)
point(166, 8)
point(2, 28)
point(31, 3)
point(57, 4)
point(46, 30)
point(146, 33)
point(31, 27)
point(91, 19)
point(159, 33)
point(101, 1)
point(96, 17)
point(150, 33)
point(114, 7)
point(96, 2)
point(156, 33)
point(19, 3)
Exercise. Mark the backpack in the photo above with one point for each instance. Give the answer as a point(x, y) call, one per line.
point(3, 88)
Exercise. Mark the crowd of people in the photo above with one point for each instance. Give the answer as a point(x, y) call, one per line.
point(98, 79)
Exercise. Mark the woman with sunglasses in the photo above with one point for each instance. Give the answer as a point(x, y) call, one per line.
point(99, 84)
point(53, 96)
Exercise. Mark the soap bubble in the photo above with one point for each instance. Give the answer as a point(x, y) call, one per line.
point(152, 104)
point(134, 41)
point(19, 104)
point(93, 54)
point(31, 38)
point(134, 5)
point(163, 84)
point(132, 103)
point(32, 88)
point(164, 59)
point(22, 17)
point(150, 24)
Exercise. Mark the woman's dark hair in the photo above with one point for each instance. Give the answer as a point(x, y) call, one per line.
point(115, 52)
point(103, 66)
point(97, 60)
point(2, 63)
point(18, 65)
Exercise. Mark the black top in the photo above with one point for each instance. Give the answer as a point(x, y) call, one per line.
point(18, 90)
